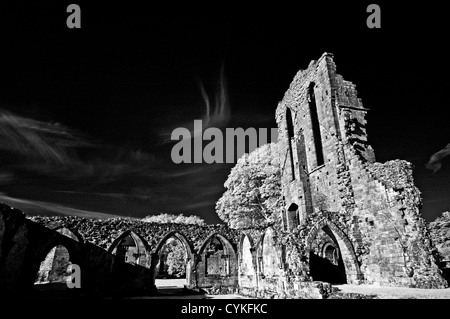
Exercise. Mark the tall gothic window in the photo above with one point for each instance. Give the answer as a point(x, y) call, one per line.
point(315, 125)
point(290, 129)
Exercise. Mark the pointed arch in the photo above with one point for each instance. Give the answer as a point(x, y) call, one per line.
point(54, 267)
point(158, 260)
point(247, 265)
point(222, 262)
point(51, 260)
point(181, 238)
point(243, 236)
point(247, 261)
point(137, 255)
point(72, 246)
point(268, 254)
point(227, 245)
point(350, 262)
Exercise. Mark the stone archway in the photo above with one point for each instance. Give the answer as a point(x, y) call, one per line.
point(246, 256)
point(130, 248)
point(247, 262)
point(268, 255)
point(348, 268)
point(217, 262)
point(50, 267)
point(54, 267)
point(169, 247)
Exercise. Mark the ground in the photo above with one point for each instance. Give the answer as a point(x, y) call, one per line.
point(382, 292)
point(172, 288)
point(172, 283)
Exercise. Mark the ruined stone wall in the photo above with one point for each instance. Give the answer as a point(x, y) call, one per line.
point(25, 244)
point(108, 248)
point(263, 273)
point(217, 265)
point(150, 238)
point(376, 205)
point(103, 232)
point(333, 190)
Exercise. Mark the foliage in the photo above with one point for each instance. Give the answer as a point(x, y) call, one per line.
point(174, 219)
point(253, 190)
point(173, 252)
point(175, 258)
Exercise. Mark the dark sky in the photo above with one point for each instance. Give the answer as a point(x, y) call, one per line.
point(85, 114)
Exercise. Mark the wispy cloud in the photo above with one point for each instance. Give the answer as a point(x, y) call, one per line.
point(217, 112)
point(435, 161)
point(53, 149)
point(219, 115)
point(32, 207)
point(100, 169)
point(133, 194)
point(48, 142)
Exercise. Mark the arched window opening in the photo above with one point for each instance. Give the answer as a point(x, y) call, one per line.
point(270, 262)
point(331, 253)
point(247, 259)
point(315, 125)
point(172, 260)
point(53, 270)
point(292, 216)
point(131, 248)
point(326, 263)
point(173, 267)
point(216, 260)
point(127, 250)
point(290, 131)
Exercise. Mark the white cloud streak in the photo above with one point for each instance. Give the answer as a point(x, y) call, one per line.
point(32, 207)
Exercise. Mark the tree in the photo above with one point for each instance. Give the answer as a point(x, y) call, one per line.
point(253, 190)
point(440, 234)
point(173, 252)
point(174, 219)
point(174, 258)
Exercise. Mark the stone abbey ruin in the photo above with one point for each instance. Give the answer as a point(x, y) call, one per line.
point(348, 219)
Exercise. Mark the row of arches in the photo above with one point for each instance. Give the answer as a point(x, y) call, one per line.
point(331, 256)
point(174, 261)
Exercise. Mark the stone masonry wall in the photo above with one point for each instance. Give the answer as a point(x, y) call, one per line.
point(150, 237)
point(103, 232)
point(377, 204)
point(25, 242)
